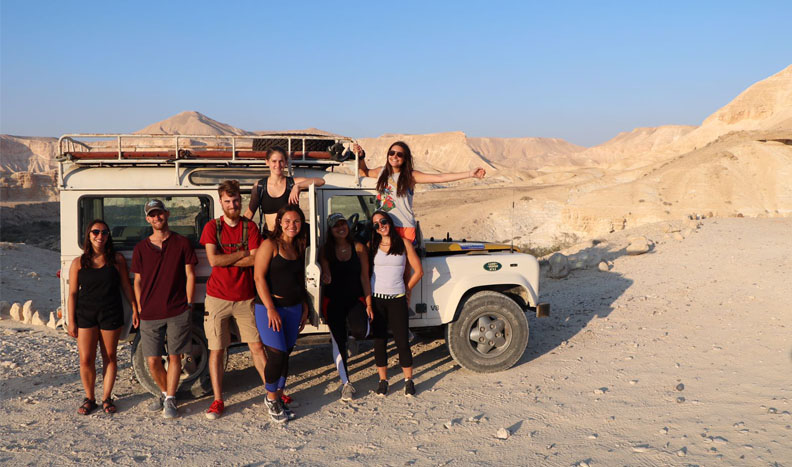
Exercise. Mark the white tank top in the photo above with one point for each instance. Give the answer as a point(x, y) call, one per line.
point(399, 207)
point(388, 275)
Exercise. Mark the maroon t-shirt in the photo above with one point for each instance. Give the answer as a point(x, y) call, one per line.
point(163, 278)
point(230, 282)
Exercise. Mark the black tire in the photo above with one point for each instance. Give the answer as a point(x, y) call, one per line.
point(490, 334)
point(194, 381)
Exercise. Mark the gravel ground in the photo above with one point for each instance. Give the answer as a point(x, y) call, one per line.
point(679, 356)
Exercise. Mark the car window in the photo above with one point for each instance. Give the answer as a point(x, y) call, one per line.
point(124, 215)
point(348, 205)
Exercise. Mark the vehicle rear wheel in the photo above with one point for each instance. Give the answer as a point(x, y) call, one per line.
point(490, 335)
point(194, 380)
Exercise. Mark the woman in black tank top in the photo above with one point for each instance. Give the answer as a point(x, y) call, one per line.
point(263, 197)
point(282, 308)
point(347, 292)
point(96, 313)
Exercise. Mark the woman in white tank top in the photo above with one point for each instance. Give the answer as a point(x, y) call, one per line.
point(390, 255)
point(396, 184)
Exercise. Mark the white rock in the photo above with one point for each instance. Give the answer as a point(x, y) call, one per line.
point(559, 266)
point(5, 308)
point(53, 322)
point(502, 433)
point(16, 312)
point(604, 266)
point(640, 448)
point(682, 452)
point(638, 246)
point(33, 274)
point(27, 311)
point(36, 319)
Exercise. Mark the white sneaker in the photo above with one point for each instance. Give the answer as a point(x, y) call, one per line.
point(348, 392)
point(276, 412)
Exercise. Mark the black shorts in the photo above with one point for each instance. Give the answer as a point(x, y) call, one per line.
point(176, 330)
point(106, 320)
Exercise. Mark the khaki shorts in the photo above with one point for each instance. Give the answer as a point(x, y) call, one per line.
point(217, 320)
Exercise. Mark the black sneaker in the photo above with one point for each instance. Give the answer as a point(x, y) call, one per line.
point(409, 388)
point(382, 389)
point(288, 411)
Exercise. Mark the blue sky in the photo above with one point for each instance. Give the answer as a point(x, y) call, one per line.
point(582, 71)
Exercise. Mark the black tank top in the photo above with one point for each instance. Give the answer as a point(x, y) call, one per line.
point(286, 278)
point(100, 290)
point(270, 205)
point(345, 279)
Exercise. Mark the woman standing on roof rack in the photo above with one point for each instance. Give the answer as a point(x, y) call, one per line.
point(96, 313)
point(275, 191)
point(396, 184)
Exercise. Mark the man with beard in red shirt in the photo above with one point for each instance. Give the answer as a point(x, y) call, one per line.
point(231, 242)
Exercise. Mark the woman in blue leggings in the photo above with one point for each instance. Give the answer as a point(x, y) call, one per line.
point(281, 307)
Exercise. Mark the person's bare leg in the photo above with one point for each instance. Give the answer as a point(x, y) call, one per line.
point(259, 358)
point(216, 371)
point(174, 372)
point(108, 345)
point(383, 372)
point(158, 372)
point(407, 372)
point(86, 346)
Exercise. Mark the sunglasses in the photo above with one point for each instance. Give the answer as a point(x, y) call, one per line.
point(398, 154)
point(381, 223)
point(98, 231)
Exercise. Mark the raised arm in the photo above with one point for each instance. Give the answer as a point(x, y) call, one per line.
point(421, 177)
point(363, 169)
point(74, 288)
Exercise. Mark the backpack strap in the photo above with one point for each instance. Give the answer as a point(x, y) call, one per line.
point(243, 245)
point(262, 185)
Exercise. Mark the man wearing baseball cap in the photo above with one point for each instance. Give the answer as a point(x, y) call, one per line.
point(164, 286)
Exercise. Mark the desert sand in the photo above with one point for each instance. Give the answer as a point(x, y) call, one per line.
point(679, 356)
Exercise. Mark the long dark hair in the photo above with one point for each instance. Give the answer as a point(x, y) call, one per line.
point(397, 243)
point(406, 180)
point(330, 243)
point(86, 260)
point(301, 240)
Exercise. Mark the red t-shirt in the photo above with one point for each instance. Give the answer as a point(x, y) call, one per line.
point(230, 282)
point(162, 274)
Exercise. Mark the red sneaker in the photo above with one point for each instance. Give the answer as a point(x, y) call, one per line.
point(286, 399)
point(215, 410)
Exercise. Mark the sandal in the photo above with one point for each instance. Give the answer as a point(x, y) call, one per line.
point(88, 406)
point(108, 406)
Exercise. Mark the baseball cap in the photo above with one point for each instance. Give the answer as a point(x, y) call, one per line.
point(333, 218)
point(153, 205)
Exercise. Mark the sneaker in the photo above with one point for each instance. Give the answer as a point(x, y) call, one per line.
point(275, 409)
point(409, 388)
point(347, 392)
point(169, 409)
point(286, 399)
point(288, 411)
point(156, 404)
point(382, 389)
point(215, 410)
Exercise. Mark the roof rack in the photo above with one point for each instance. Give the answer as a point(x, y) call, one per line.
point(114, 149)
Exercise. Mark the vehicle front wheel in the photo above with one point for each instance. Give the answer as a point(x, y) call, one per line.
point(194, 380)
point(490, 335)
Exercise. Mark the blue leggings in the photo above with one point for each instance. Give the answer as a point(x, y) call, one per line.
point(278, 345)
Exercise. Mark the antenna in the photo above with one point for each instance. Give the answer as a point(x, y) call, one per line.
point(511, 221)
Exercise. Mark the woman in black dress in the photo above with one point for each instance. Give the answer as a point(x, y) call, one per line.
point(96, 314)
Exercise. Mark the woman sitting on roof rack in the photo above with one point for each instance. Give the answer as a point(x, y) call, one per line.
point(396, 183)
point(275, 191)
